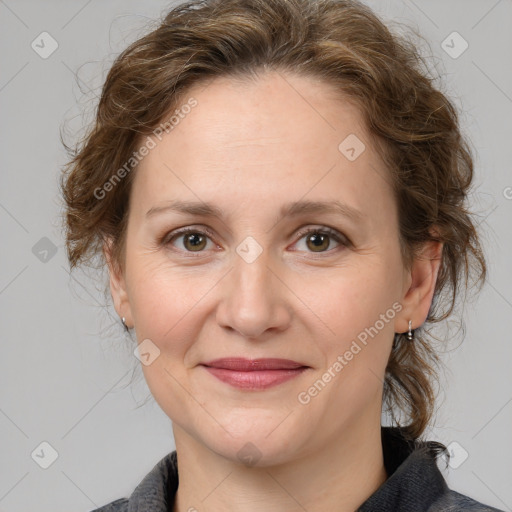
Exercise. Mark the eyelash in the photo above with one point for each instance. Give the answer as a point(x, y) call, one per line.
point(332, 233)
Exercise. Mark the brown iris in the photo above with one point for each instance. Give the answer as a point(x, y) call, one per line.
point(318, 241)
point(194, 241)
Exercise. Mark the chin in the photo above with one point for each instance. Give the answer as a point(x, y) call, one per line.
point(250, 452)
point(256, 443)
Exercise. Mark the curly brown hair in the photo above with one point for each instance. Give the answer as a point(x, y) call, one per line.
point(342, 43)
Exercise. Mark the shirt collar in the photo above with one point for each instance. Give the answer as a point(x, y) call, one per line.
point(414, 480)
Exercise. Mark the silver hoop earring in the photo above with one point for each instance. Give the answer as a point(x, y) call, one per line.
point(123, 320)
point(410, 334)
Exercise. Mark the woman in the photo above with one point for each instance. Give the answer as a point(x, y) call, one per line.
point(279, 194)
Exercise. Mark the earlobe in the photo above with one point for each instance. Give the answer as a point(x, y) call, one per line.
point(422, 278)
point(117, 285)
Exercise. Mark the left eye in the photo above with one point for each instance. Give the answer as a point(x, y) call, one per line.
point(194, 240)
point(319, 240)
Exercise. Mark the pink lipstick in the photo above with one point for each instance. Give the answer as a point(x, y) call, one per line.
point(254, 374)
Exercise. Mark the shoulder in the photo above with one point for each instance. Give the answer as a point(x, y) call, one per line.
point(120, 505)
point(154, 492)
point(452, 501)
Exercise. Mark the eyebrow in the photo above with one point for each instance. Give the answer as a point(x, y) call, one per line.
point(296, 208)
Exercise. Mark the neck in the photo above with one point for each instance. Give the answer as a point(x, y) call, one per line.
point(340, 477)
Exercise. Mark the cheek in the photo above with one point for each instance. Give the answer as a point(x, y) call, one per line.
point(169, 307)
point(349, 300)
point(160, 293)
point(358, 309)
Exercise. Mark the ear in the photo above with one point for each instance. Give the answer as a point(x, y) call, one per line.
point(117, 285)
point(419, 286)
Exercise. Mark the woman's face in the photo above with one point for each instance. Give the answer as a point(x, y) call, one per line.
point(250, 282)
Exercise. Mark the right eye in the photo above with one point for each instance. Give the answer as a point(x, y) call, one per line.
point(192, 239)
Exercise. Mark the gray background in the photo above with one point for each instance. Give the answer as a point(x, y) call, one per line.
point(66, 367)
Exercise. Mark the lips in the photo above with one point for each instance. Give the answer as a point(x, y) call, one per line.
point(251, 365)
point(254, 374)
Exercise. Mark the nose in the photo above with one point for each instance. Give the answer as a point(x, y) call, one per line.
point(255, 299)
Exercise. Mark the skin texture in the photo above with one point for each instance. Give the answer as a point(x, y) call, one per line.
point(250, 147)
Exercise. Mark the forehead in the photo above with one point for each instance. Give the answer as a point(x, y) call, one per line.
point(275, 136)
point(273, 111)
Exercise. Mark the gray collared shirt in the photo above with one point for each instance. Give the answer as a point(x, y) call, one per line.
point(415, 483)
